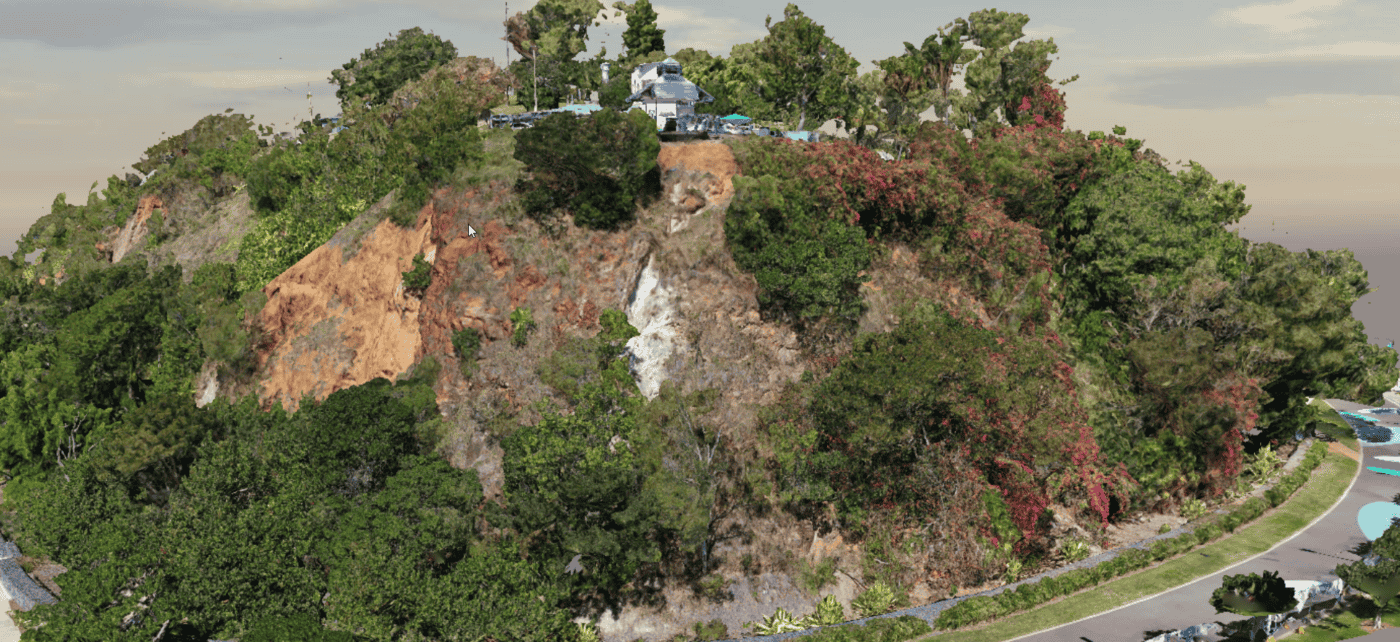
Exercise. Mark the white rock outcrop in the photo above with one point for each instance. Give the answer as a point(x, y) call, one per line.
point(652, 311)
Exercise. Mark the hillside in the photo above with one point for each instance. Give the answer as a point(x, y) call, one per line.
point(663, 384)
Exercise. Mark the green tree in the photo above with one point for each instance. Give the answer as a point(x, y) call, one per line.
point(693, 454)
point(998, 77)
point(156, 444)
point(574, 487)
point(803, 72)
point(904, 405)
point(215, 153)
point(807, 264)
point(232, 547)
point(709, 72)
point(382, 551)
point(863, 118)
point(1253, 595)
point(1304, 299)
point(1381, 581)
point(600, 167)
point(905, 95)
point(642, 37)
point(614, 94)
point(941, 56)
point(377, 73)
point(495, 591)
point(1148, 222)
point(553, 29)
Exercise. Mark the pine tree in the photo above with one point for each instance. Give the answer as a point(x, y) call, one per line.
point(642, 37)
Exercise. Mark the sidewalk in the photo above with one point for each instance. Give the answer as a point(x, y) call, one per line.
point(8, 631)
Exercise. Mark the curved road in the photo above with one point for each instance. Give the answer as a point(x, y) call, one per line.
point(1310, 554)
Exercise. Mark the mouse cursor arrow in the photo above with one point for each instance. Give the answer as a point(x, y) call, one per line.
point(471, 232)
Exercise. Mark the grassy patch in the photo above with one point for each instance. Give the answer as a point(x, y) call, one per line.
point(814, 577)
point(1346, 623)
point(1322, 490)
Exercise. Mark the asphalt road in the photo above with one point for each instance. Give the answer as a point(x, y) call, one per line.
point(1311, 554)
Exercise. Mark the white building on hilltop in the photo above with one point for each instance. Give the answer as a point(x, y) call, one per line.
point(659, 89)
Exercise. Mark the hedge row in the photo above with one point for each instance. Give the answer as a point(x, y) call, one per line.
point(983, 608)
point(899, 629)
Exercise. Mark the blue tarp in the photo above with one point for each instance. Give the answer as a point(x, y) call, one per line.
point(735, 117)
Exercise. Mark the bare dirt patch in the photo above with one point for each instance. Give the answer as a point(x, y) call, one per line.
point(334, 323)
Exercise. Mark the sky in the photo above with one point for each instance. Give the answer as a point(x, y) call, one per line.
point(1297, 100)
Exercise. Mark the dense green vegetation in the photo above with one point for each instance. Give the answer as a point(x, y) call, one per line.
point(1111, 348)
point(600, 168)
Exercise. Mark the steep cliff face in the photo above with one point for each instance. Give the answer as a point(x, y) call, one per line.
point(135, 229)
point(340, 318)
point(335, 322)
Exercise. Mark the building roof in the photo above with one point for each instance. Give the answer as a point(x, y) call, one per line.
point(672, 88)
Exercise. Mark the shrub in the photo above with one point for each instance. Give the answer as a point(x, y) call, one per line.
point(1136, 558)
point(1207, 534)
point(467, 343)
point(1252, 508)
point(779, 622)
point(600, 167)
point(1074, 550)
point(875, 600)
point(904, 627)
point(807, 262)
point(523, 322)
point(1069, 582)
point(1231, 521)
point(712, 630)
point(748, 563)
point(417, 279)
point(300, 628)
point(829, 612)
point(813, 578)
point(713, 587)
point(1253, 594)
point(1262, 464)
point(1192, 509)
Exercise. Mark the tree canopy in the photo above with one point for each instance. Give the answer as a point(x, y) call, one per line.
point(803, 70)
point(642, 36)
point(377, 73)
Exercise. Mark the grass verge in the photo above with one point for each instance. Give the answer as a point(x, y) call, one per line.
point(1327, 484)
point(1346, 624)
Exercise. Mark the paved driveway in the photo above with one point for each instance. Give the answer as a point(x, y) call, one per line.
point(1311, 554)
